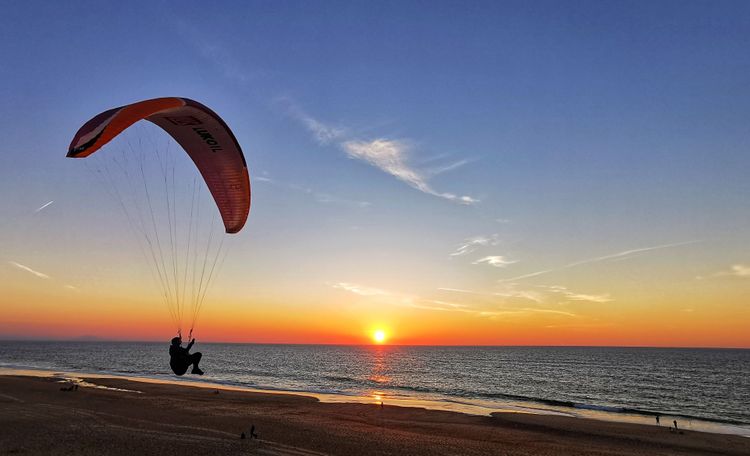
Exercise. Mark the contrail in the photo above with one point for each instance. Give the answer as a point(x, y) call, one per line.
point(28, 269)
point(45, 205)
point(630, 252)
point(622, 254)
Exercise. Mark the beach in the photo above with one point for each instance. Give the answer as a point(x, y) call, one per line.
point(125, 417)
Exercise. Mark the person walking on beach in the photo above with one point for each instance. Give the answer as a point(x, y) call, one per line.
point(181, 358)
point(657, 419)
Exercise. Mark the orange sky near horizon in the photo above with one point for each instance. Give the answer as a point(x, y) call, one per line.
point(352, 320)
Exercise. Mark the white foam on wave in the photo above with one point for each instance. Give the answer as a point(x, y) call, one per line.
point(85, 384)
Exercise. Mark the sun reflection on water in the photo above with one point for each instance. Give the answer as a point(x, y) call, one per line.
point(379, 372)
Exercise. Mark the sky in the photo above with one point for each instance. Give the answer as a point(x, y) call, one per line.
point(491, 173)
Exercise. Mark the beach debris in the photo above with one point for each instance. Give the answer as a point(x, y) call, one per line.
point(72, 387)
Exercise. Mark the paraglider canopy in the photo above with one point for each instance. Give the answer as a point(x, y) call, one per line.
point(202, 134)
point(182, 252)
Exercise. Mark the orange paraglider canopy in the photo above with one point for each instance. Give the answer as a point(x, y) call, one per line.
point(202, 134)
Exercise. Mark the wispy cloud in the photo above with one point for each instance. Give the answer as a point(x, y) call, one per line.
point(538, 294)
point(526, 276)
point(460, 290)
point(737, 270)
point(581, 325)
point(222, 60)
point(629, 253)
point(388, 155)
point(322, 132)
point(626, 254)
point(508, 290)
point(470, 245)
point(451, 305)
point(321, 197)
point(572, 296)
point(411, 301)
point(537, 300)
point(549, 311)
point(440, 306)
point(360, 290)
point(602, 298)
point(325, 133)
point(45, 205)
point(497, 261)
point(511, 290)
point(41, 275)
point(326, 198)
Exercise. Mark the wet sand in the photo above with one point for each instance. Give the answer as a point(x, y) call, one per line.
point(36, 417)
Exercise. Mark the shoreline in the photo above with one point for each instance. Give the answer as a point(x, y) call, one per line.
point(39, 418)
point(476, 407)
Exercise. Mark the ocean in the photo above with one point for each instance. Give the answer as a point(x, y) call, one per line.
point(706, 389)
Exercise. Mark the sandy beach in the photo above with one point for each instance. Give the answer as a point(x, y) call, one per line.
point(37, 417)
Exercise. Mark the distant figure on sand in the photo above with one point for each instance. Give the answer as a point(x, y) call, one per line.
point(675, 425)
point(657, 419)
point(181, 358)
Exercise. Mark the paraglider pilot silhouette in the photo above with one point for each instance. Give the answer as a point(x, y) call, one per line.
point(180, 358)
point(217, 155)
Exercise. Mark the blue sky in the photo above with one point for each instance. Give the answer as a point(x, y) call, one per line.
point(383, 136)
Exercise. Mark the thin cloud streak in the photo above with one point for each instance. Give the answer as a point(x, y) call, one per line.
point(526, 276)
point(323, 198)
point(45, 205)
point(530, 295)
point(414, 302)
point(620, 255)
point(508, 291)
point(538, 295)
point(550, 311)
point(627, 253)
point(41, 275)
point(459, 290)
point(450, 167)
point(602, 298)
point(218, 55)
point(737, 270)
point(360, 290)
point(497, 261)
point(470, 245)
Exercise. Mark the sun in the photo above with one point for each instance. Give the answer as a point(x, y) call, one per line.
point(378, 336)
